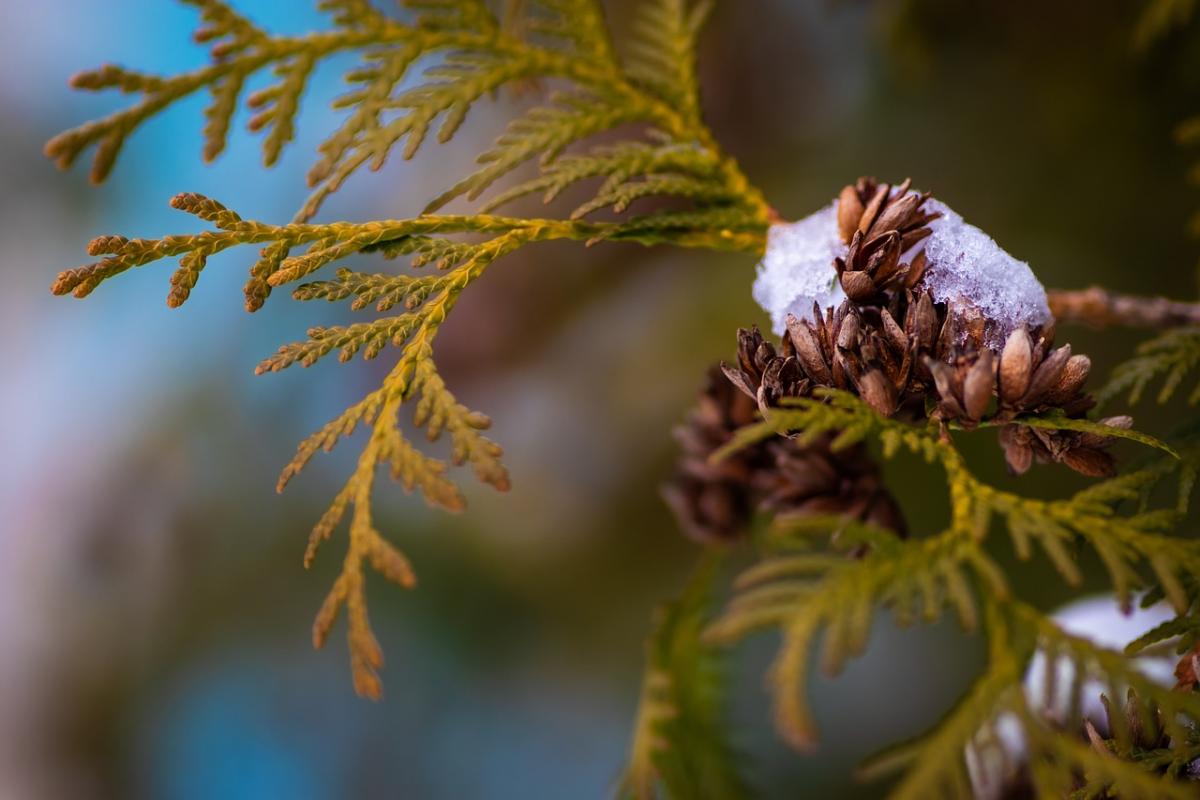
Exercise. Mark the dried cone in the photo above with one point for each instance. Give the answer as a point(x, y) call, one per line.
point(716, 501)
point(1027, 378)
point(1086, 453)
point(892, 345)
point(877, 353)
point(879, 225)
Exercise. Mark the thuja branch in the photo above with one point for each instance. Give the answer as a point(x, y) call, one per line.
point(809, 593)
point(463, 53)
point(335, 241)
point(1101, 308)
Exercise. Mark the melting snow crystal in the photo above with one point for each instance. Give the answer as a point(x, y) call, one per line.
point(965, 264)
point(798, 268)
point(965, 267)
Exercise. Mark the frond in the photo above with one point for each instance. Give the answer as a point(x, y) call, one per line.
point(1171, 356)
point(1125, 543)
point(419, 75)
point(815, 596)
point(578, 24)
point(616, 164)
point(662, 53)
point(277, 105)
point(973, 743)
point(544, 132)
point(835, 410)
point(679, 742)
point(239, 50)
point(383, 289)
point(370, 337)
point(809, 595)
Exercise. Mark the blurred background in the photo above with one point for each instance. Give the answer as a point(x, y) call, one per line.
point(154, 616)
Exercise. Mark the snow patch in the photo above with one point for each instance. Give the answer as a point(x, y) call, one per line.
point(798, 270)
point(967, 269)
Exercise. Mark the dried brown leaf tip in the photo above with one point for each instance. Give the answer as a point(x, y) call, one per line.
point(716, 500)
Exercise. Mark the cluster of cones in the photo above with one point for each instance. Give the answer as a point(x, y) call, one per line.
point(905, 355)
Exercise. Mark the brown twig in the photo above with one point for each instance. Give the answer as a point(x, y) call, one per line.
point(1100, 308)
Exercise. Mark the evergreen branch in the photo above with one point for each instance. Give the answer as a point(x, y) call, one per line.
point(1171, 356)
point(616, 164)
point(239, 50)
point(1104, 774)
point(834, 410)
point(1124, 543)
point(1184, 628)
point(662, 54)
point(620, 196)
point(371, 337)
point(385, 290)
point(334, 241)
point(579, 24)
point(366, 547)
point(545, 132)
point(468, 54)
point(679, 734)
point(934, 763)
point(1156, 705)
point(806, 593)
point(436, 411)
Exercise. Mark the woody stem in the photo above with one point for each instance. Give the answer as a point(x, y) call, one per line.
point(1100, 308)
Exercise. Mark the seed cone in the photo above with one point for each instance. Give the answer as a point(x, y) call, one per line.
point(905, 355)
point(857, 348)
point(715, 501)
point(880, 224)
point(891, 344)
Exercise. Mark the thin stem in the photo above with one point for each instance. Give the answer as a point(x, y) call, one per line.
point(1100, 308)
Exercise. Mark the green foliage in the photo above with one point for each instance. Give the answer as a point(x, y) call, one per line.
point(1170, 356)
point(808, 589)
point(679, 744)
point(658, 177)
point(464, 53)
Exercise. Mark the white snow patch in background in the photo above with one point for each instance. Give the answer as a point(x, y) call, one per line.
point(992, 762)
point(798, 268)
point(966, 266)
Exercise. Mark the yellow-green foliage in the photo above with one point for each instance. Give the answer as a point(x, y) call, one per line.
point(680, 746)
point(421, 70)
point(462, 52)
point(811, 592)
point(1169, 356)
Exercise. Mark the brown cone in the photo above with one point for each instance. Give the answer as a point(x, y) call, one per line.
point(716, 501)
point(892, 345)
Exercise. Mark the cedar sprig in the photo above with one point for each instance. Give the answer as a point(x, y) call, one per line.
point(465, 53)
point(384, 290)
point(807, 589)
point(1057, 762)
point(1170, 357)
point(680, 744)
